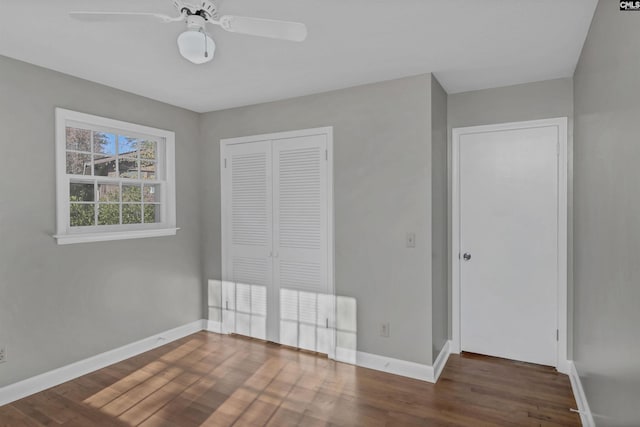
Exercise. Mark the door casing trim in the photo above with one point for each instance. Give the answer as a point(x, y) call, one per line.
point(561, 123)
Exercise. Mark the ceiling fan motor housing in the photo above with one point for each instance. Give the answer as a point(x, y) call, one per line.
point(196, 22)
point(204, 8)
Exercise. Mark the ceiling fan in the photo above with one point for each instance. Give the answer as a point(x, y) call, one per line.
point(195, 44)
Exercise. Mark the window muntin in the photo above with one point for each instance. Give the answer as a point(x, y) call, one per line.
point(114, 179)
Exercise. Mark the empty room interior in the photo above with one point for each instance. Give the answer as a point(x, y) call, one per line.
point(320, 213)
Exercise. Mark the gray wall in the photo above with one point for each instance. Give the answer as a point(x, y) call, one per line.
point(439, 218)
point(382, 182)
point(60, 304)
point(531, 101)
point(607, 215)
point(390, 172)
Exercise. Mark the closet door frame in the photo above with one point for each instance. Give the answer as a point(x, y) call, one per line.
point(224, 199)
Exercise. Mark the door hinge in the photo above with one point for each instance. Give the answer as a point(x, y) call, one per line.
point(557, 334)
point(225, 163)
point(327, 323)
point(326, 154)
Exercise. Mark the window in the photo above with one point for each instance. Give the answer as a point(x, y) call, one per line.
point(115, 180)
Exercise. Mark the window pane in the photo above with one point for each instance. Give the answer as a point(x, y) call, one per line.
point(128, 146)
point(104, 143)
point(131, 214)
point(81, 214)
point(108, 214)
point(151, 193)
point(78, 139)
point(109, 192)
point(147, 169)
point(104, 166)
point(131, 193)
point(148, 150)
point(78, 164)
point(151, 213)
point(128, 167)
point(81, 192)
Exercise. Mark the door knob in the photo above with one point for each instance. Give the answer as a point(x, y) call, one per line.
point(466, 256)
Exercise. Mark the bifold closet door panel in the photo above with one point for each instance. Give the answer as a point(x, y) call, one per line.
point(300, 213)
point(248, 235)
point(300, 192)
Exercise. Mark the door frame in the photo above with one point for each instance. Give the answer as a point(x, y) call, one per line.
point(327, 131)
point(561, 123)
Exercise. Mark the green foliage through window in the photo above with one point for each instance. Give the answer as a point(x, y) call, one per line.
point(82, 214)
point(108, 214)
point(134, 209)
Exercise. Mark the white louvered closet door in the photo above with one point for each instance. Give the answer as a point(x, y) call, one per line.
point(247, 237)
point(300, 238)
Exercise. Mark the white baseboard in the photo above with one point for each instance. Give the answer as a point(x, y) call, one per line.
point(41, 382)
point(395, 366)
point(581, 399)
point(441, 360)
point(400, 367)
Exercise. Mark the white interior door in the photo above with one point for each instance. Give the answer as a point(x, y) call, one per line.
point(509, 231)
point(247, 237)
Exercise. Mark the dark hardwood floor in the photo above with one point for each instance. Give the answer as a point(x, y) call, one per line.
point(212, 380)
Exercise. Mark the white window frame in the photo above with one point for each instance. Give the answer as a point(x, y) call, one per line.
point(65, 234)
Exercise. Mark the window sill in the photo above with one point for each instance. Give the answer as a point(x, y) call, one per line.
point(67, 239)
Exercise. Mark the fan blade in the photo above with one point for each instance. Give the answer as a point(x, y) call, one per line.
point(285, 30)
point(122, 16)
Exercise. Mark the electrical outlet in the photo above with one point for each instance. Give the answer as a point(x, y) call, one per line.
point(3, 354)
point(384, 330)
point(411, 240)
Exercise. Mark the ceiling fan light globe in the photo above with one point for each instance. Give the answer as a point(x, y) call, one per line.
point(192, 46)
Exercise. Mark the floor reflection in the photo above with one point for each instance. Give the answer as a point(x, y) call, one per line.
point(308, 320)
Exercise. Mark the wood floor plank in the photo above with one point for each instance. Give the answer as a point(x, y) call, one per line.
point(12, 417)
point(213, 380)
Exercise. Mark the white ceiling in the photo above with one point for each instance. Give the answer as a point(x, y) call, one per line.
point(468, 44)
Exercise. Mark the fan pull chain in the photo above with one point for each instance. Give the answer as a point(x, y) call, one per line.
point(206, 48)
